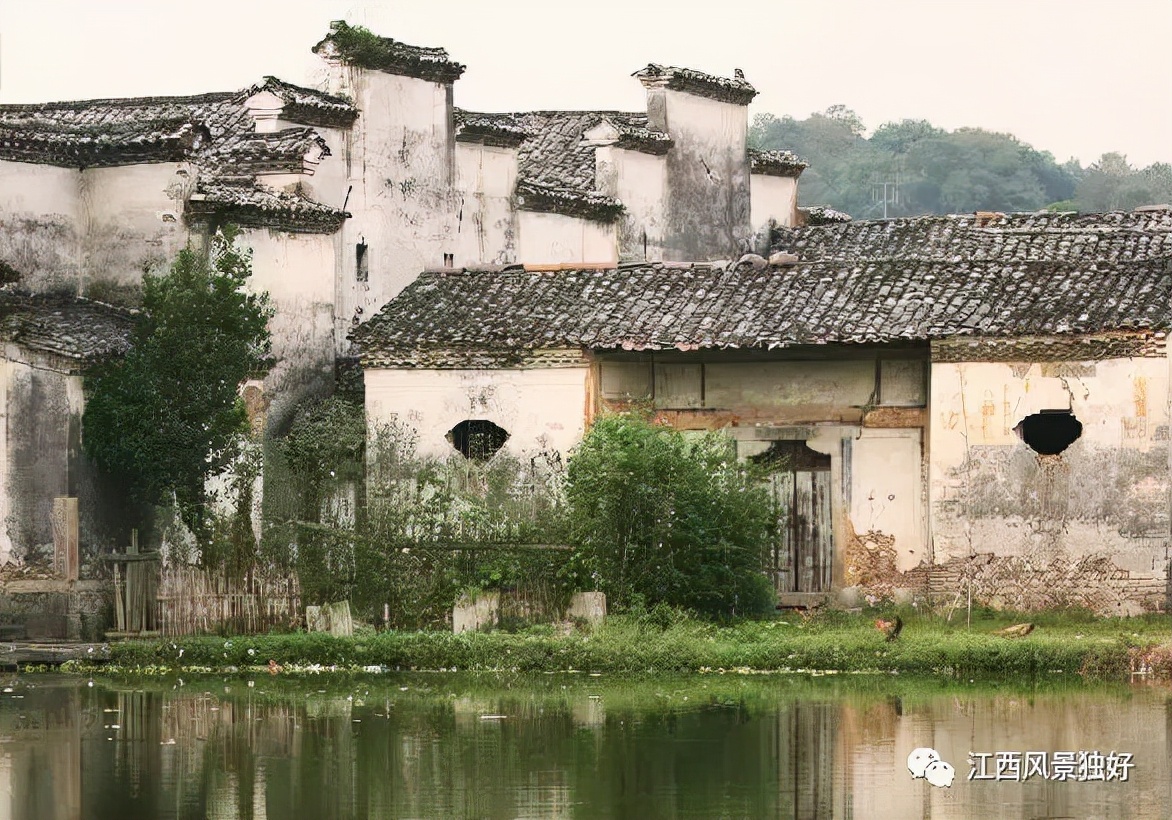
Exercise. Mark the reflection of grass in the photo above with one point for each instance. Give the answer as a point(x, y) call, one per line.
point(522, 693)
point(831, 642)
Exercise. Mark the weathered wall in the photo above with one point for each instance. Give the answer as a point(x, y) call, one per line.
point(884, 474)
point(773, 197)
point(546, 238)
point(707, 176)
point(400, 158)
point(486, 226)
point(542, 408)
point(865, 412)
point(761, 391)
point(639, 181)
point(299, 273)
point(130, 218)
point(40, 231)
point(42, 408)
point(1088, 526)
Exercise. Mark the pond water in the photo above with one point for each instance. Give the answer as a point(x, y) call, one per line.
point(456, 746)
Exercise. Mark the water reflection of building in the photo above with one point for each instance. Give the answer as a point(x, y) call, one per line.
point(70, 751)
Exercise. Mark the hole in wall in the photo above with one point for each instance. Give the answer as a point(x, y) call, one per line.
point(1050, 431)
point(478, 439)
point(362, 262)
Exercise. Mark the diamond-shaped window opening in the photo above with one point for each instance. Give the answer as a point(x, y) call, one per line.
point(478, 439)
point(1049, 432)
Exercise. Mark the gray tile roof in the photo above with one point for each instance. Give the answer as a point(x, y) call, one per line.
point(776, 163)
point(735, 89)
point(214, 131)
point(1109, 238)
point(355, 45)
point(74, 328)
point(309, 106)
point(247, 154)
point(99, 147)
point(858, 283)
point(555, 169)
point(254, 205)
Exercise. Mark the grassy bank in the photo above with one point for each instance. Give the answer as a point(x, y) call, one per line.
point(1060, 644)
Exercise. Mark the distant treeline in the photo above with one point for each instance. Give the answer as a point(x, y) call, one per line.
point(911, 168)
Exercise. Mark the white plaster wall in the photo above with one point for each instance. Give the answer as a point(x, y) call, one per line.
point(772, 197)
point(639, 181)
point(1105, 495)
point(331, 176)
point(132, 218)
point(486, 228)
point(40, 234)
point(298, 271)
point(542, 408)
point(979, 403)
point(401, 158)
point(886, 490)
point(40, 404)
point(554, 238)
point(707, 176)
point(722, 123)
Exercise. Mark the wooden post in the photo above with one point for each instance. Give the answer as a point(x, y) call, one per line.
point(65, 537)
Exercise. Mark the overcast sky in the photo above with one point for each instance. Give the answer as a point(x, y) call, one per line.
point(1073, 77)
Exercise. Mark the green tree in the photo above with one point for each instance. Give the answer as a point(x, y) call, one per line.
point(167, 416)
point(1112, 184)
point(934, 170)
point(657, 517)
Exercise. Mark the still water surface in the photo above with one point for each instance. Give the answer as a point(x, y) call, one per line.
point(449, 746)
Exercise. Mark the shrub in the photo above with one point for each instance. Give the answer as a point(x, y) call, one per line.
point(660, 517)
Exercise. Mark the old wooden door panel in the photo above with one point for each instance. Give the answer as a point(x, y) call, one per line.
point(783, 569)
point(801, 559)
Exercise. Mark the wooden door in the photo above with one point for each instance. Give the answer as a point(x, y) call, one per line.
point(799, 480)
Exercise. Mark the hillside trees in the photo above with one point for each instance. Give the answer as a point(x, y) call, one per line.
point(167, 416)
point(938, 171)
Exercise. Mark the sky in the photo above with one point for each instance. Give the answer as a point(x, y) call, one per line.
point(1072, 77)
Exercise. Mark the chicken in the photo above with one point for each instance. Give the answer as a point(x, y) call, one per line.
point(275, 668)
point(889, 628)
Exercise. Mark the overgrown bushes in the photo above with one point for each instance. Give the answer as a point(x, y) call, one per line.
point(644, 513)
point(659, 517)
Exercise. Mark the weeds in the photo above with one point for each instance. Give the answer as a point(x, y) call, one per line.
point(666, 640)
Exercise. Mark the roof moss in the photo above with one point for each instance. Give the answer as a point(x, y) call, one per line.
point(358, 46)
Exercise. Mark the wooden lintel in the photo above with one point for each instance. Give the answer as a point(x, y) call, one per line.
point(900, 417)
point(768, 433)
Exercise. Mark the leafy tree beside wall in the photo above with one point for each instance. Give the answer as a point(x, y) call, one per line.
point(658, 517)
point(167, 416)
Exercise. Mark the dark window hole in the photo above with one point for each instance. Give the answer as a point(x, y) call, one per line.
point(362, 261)
point(1050, 431)
point(478, 438)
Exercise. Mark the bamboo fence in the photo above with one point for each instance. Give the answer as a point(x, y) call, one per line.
point(193, 601)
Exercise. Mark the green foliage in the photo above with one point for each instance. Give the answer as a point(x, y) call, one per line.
point(663, 640)
point(659, 517)
point(424, 528)
point(937, 171)
point(1113, 184)
point(166, 416)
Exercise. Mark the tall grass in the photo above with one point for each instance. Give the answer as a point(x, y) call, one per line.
point(646, 644)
